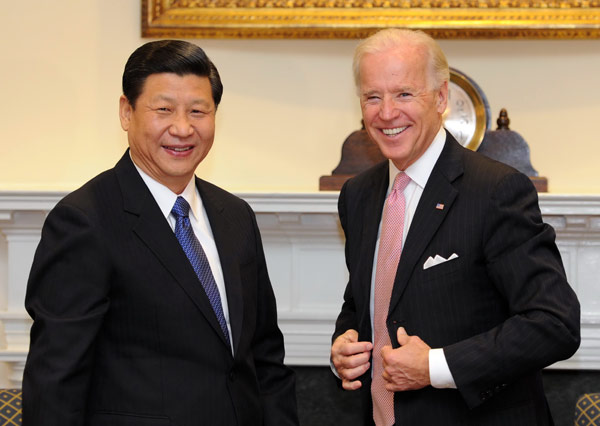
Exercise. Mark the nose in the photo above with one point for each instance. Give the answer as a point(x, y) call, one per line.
point(181, 126)
point(387, 109)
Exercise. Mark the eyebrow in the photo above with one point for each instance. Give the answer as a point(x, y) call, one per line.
point(400, 89)
point(198, 101)
point(369, 92)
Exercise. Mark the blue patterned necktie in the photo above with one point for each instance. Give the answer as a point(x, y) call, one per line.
point(195, 253)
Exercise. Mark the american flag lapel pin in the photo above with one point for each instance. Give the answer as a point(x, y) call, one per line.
point(439, 206)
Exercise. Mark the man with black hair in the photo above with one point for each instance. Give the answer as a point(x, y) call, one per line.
point(149, 291)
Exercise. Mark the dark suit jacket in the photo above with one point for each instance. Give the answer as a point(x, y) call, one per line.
point(502, 310)
point(123, 332)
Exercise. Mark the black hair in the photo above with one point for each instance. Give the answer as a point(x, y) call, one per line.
point(168, 56)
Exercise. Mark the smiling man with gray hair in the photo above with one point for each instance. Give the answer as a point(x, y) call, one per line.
point(457, 295)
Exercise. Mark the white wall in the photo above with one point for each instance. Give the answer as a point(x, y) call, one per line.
point(287, 107)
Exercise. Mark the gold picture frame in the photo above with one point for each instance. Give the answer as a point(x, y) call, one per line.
point(450, 19)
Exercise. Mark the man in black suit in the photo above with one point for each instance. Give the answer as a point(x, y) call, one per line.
point(126, 330)
point(477, 301)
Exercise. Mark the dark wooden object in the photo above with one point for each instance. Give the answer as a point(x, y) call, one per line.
point(359, 152)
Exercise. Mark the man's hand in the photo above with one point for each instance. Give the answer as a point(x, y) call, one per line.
point(350, 358)
point(407, 367)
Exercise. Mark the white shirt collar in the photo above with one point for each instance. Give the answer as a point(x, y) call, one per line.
point(165, 198)
point(420, 170)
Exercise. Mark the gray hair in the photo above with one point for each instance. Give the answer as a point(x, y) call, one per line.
point(393, 37)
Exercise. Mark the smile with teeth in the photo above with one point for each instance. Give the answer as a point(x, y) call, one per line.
point(178, 149)
point(394, 131)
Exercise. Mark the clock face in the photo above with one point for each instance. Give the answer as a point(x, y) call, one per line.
point(467, 116)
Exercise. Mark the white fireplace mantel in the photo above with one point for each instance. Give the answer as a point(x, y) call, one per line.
point(304, 246)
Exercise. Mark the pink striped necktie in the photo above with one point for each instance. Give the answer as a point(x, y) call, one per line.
point(390, 247)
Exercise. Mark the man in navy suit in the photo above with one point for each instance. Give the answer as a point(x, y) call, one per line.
point(124, 332)
point(477, 300)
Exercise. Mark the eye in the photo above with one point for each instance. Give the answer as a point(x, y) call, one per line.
point(163, 109)
point(371, 99)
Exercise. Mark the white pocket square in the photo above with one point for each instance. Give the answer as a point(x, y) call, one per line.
point(433, 261)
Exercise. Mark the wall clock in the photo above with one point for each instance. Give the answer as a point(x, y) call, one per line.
point(467, 116)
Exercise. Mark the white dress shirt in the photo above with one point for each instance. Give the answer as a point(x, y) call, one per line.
point(165, 198)
point(439, 372)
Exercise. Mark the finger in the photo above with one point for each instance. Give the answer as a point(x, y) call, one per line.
point(353, 373)
point(349, 349)
point(402, 336)
point(351, 385)
point(352, 366)
point(353, 361)
point(385, 350)
point(394, 387)
point(350, 335)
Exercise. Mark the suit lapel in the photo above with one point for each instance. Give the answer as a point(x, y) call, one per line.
point(226, 245)
point(150, 225)
point(428, 218)
point(374, 196)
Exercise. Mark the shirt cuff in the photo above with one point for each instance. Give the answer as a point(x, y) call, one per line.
point(439, 372)
point(333, 369)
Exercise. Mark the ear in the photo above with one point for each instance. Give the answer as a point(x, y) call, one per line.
point(442, 98)
point(125, 111)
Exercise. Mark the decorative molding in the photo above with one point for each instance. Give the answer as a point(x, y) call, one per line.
point(304, 246)
point(557, 19)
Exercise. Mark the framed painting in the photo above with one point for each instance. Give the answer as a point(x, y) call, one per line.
point(454, 19)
